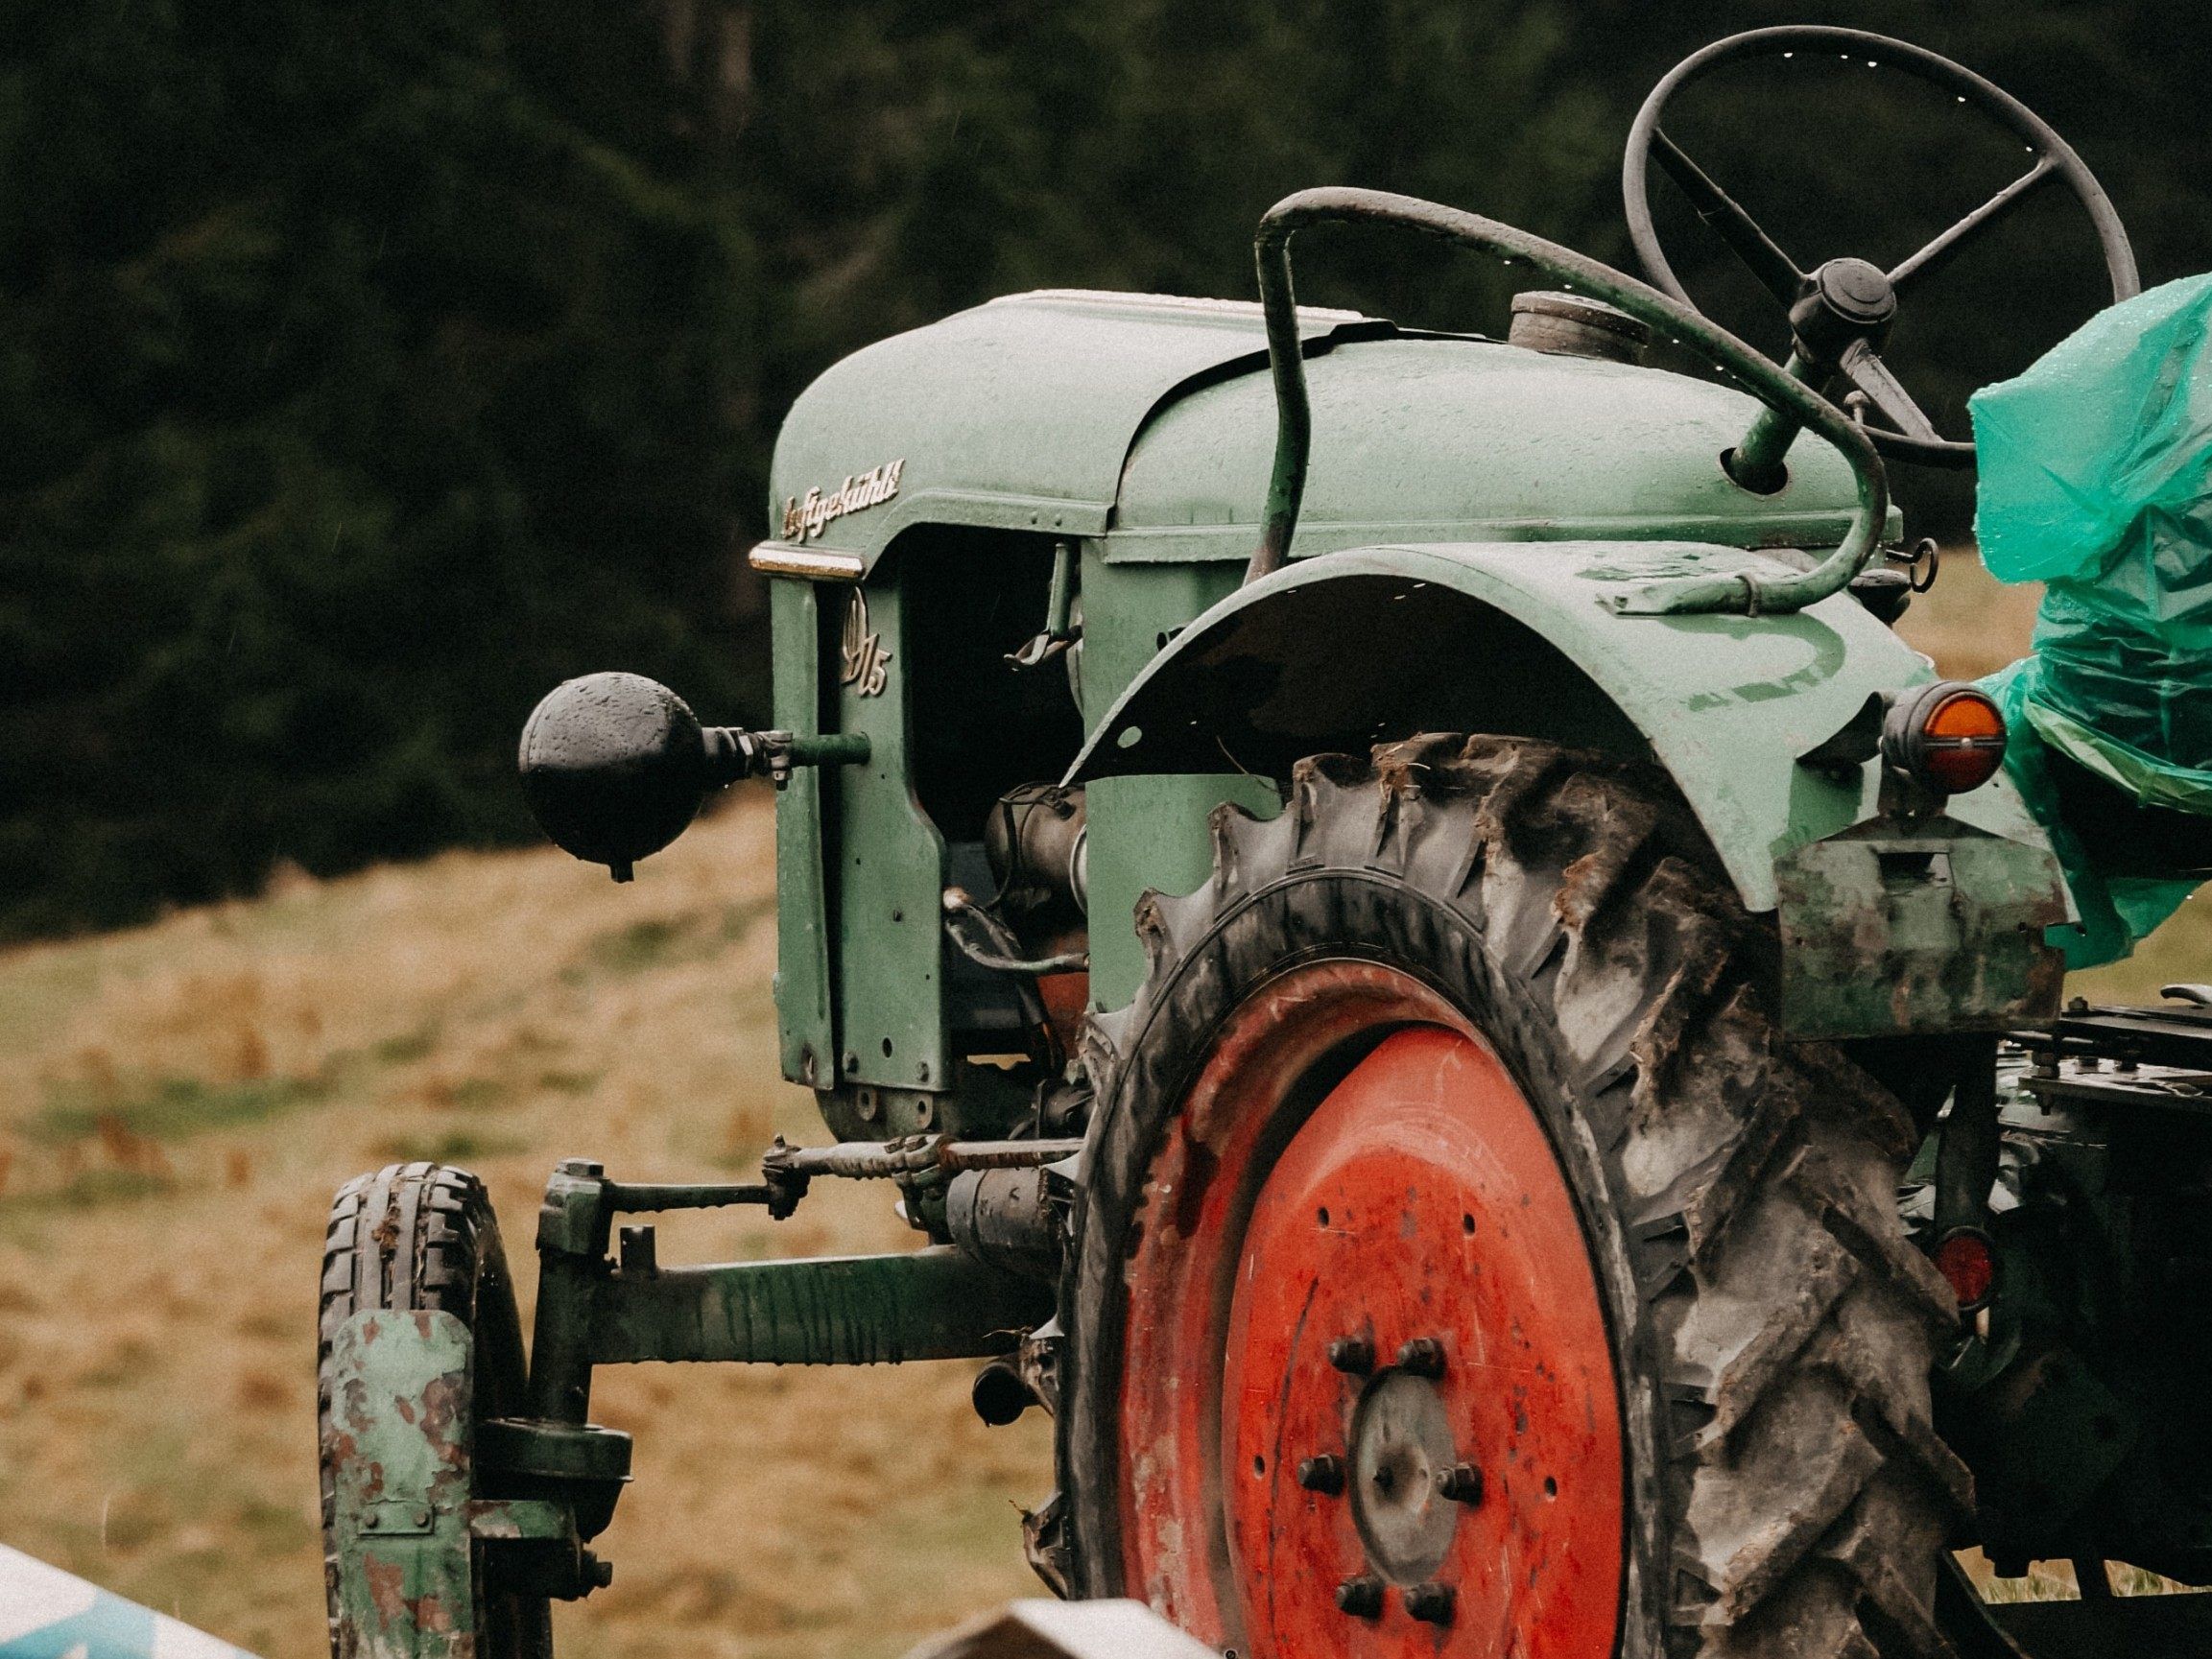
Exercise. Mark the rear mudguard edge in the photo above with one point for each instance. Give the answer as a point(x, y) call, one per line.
point(1374, 644)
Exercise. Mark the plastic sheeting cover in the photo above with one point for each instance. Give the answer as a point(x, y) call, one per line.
point(47, 1614)
point(2096, 478)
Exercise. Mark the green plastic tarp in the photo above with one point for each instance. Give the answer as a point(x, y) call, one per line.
point(2096, 479)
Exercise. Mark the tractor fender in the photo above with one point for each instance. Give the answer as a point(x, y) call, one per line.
point(398, 1447)
point(1345, 650)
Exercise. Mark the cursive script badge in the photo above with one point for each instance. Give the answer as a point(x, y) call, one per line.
point(863, 660)
point(807, 516)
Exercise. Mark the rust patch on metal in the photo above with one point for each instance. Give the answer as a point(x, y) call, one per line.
point(387, 1582)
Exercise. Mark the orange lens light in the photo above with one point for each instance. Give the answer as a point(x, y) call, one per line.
point(1963, 742)
point(1948, 735)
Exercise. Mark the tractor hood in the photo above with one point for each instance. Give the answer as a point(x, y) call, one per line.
point(1153, 417)
point(1018, 414)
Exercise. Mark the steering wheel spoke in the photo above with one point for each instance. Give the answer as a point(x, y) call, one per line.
point(1777, 274)
point(1863, 367)
point(1945, 248)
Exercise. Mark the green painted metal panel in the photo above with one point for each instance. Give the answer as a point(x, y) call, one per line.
point(1145, 832)
point(1461, 438)
point(1429, 439)
point(1726, 704)
point(398, 1447)
point(1155, 415)
point(890, 879)
point(1131, 614)
point(1151, 833)
point(1016, 413)
point(805, 1018)
point(1927, 926)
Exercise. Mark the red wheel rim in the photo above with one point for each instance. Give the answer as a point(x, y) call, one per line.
point(1419, 1199)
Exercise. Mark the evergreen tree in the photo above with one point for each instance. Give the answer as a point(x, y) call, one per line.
point(369, 368)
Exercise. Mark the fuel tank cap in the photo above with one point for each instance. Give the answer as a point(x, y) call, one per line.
point(1571, 325)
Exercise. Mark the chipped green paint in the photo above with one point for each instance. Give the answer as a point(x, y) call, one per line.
point(397, 1449)
point(1894, 926)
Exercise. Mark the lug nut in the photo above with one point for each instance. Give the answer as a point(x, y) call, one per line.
point(1423, 1356)
point(1325, 1474)
point(1431, 1604)
point(1462, 1484)
point(1362, 1597)
point(1355, 1355)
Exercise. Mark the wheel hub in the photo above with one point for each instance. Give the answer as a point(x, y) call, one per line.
point(1402, 1452)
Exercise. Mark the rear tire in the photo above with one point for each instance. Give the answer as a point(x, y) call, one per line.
point(1768, 1329)
point(422, 1238)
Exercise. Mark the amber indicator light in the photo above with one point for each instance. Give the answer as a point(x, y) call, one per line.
point(1948, 735)
point(1963, 742)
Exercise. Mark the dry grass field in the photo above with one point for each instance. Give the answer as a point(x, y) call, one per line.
point(177, 1101)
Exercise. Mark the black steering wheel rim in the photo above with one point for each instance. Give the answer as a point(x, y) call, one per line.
point(2054, 159)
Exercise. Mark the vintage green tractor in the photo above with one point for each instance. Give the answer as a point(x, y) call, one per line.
point(1398, 919)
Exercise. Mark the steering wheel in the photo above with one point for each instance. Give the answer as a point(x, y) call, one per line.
point(1841, 311)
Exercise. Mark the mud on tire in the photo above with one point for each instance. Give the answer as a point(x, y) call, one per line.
point(1773, 1330)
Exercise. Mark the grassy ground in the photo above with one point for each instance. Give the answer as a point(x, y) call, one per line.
point(177, 1101)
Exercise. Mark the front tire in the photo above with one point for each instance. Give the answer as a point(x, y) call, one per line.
point(1474, 1046)
point(422, 1238)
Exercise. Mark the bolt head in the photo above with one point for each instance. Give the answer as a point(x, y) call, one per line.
point(1423, 1356)
point(1431, 1604)
point(421, 1517)
point(1353, 1354)
point(1361, 1597)
point(1462, 1484)
point(584, 1169)
point(1325, 1474)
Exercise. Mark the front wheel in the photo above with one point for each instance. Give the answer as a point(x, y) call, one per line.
point(418, 1238)
point(1466, 1263)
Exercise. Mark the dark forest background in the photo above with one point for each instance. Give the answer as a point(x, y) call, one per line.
point(367, 368)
